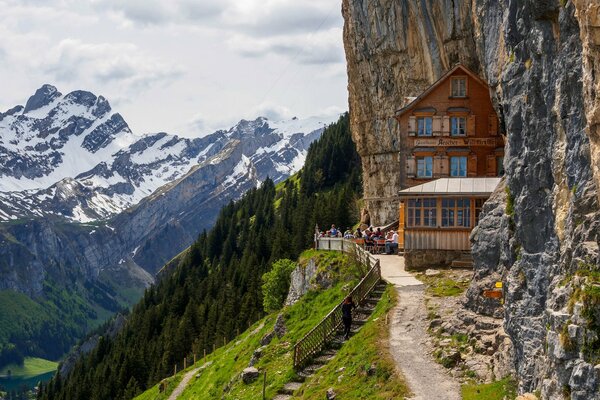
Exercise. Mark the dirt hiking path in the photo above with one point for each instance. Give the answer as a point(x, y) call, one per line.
point(183, 384)
point(409, 338)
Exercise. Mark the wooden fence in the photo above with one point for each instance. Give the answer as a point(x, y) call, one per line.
point(316, 340)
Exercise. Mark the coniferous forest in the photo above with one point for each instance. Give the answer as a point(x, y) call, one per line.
point(214, 291)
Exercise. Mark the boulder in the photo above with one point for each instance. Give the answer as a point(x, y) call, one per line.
point(249, 375)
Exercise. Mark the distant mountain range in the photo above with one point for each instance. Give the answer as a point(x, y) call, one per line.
point(89, 206)
point(72, 156)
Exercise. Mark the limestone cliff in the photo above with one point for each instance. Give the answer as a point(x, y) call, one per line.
point(541, 59)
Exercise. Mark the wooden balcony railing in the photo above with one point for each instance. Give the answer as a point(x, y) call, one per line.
point(316, 340)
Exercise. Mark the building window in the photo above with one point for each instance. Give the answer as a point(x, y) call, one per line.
point(421, 212)
point(458, 126)
point(458, 166)
point(459, 87)
point(500, 166)
point(424, 167)
point(456, 213)
point(424, 126)
point(463, 213)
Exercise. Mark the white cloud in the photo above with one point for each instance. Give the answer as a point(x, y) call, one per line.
point(182, 66)
point(123, 63)
point(274, 112)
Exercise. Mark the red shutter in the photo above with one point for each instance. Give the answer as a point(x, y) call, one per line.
point(471, 126)
point(472, 165)
point(493, 125)
point(491, 165)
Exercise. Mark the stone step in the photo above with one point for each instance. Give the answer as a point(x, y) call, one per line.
point(323, 359)
point(311, 369)
point(461, 264)
point(282, 397)
point(290, 387)
point(371, 301)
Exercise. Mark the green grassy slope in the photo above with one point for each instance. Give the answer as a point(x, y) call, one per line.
point(221, 378)
point(31, 367)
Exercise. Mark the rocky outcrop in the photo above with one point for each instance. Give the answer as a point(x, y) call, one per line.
point(540, 59)
point(301, 281)
point(396, 49)
point(491, 256)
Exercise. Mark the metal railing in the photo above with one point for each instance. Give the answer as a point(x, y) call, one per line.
point(315, 341)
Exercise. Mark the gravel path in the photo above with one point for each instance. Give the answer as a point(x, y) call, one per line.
point(409, 338)
point(183, 384)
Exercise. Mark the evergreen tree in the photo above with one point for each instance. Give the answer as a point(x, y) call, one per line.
point(216, 286)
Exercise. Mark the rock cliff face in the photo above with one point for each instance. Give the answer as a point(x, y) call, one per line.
point(541, 61)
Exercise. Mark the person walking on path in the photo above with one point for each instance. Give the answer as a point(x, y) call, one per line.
point(347, 307)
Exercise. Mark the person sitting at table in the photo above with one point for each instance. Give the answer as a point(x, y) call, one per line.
point(369, 238)
point(333, 231)
point(392, 245)
point(378, 234)
point(348, 234)
point(358, 234)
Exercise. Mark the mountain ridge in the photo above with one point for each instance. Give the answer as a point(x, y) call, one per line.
point(77, 236)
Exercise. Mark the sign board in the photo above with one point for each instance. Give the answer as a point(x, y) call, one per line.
point(499, 285)
point(453, 141)
point(492, 294)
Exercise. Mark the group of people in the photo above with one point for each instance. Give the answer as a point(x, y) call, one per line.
point(370, 235)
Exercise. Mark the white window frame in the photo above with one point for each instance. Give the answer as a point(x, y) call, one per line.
point(455, 126)
point(422, 167)
point(458, 87)
point(422, 124)
point(461, 169)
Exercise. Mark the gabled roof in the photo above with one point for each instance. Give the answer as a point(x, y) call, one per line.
point(438, 83)
point(454, 186)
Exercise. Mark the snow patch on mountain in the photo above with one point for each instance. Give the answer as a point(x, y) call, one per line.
point(71, 156)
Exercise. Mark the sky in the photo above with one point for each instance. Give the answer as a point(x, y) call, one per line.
point(186, 67)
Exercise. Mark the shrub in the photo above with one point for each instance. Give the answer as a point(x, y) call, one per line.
point(276, 284)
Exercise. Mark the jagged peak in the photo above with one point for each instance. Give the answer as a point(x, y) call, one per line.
point(43, 96)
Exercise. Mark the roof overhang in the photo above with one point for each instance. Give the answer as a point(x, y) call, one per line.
point(453, 187)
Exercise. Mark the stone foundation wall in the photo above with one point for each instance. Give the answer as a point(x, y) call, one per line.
point(420, 260)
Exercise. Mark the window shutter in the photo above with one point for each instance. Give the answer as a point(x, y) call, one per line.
point(437, 166)
point(491, 165)
point(472, 165)
point(411, 170)
point(437, 126)
point(446, 126)
point(493, 125)
point(412, 126)
point(471, 125)
point(445, 167)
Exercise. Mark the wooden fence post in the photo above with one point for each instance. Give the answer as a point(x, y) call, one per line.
point(175, 369)
point(264, 385)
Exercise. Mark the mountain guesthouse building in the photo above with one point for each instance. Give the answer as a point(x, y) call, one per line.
point(451, 130)
point(453, 151)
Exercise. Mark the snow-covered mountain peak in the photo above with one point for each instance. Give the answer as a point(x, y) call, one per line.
point(71, 155)
point(42, 97)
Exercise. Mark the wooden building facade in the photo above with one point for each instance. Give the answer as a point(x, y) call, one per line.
point(451, 130)
point(440, 214)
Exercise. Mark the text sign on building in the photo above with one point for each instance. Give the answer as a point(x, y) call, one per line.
point(448, 142)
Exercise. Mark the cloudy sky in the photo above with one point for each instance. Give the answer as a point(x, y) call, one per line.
point(181, 66)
